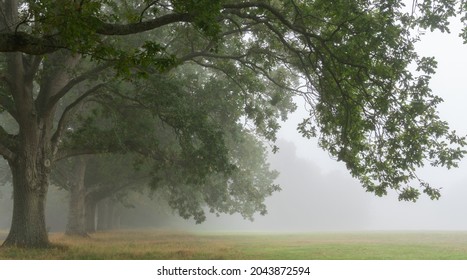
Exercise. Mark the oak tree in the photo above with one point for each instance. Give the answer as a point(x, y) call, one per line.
point(352, 57)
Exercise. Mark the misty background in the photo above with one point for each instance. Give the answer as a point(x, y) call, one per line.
point(318, 194)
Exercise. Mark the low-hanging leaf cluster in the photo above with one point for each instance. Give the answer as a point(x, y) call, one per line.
point(368, 109)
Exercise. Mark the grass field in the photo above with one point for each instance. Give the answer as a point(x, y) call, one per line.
point(309, 246)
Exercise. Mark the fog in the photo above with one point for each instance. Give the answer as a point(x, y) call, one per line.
point(338, 193)
point(318, 194)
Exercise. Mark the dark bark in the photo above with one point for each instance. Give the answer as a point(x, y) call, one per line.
point(139, 27)
point(30, 158)
point(33, 150)
point(15, 41)
point(26, 43)
point(76, 215)
point(28, 227)
point(31, 154)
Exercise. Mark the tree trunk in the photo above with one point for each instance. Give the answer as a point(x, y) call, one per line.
point(29, 99)
point(30, 157)
point(117, 218)
point(30, 183)
point(76, 215)
point(106, 214)
point(110, 214)
point(90, 214)
point(102, 210)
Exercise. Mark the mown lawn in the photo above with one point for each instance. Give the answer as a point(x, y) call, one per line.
point(309, 246)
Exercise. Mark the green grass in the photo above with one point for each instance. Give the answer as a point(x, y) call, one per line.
point(309, 246)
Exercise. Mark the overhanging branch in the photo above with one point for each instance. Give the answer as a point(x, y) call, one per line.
point(26, 43)
point(68, 112)
point(139, 27)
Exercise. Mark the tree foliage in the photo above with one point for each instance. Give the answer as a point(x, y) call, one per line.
point(350, 60)
point(353, 55)
point(189, 141)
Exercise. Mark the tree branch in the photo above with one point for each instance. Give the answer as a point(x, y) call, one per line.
point(26, 43)
point(146, 8)
point(63, 154)
point(33, 65)
point(106, 190)
point(9, 106)
point(212, 55)
point(7, 153)
point(29, 44)
point(228, 75)
point(68, 112)
point(63, 91)
point(276, 13)
point(5, 142)
point(139, 27)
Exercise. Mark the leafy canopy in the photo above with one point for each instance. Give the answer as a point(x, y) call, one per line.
point(353, 57)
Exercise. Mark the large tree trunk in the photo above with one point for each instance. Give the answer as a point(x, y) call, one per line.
point(30, 183)
point(29, 153)
point(31, 100)
point(76, 216)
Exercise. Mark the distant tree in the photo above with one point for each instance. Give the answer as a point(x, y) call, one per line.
point(76, 215)
point(366, 107)
point(175, 179)
point(90, 179)
point(156, 145)
point(241, 190)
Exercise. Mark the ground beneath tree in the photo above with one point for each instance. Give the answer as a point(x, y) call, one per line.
point(167, 245)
